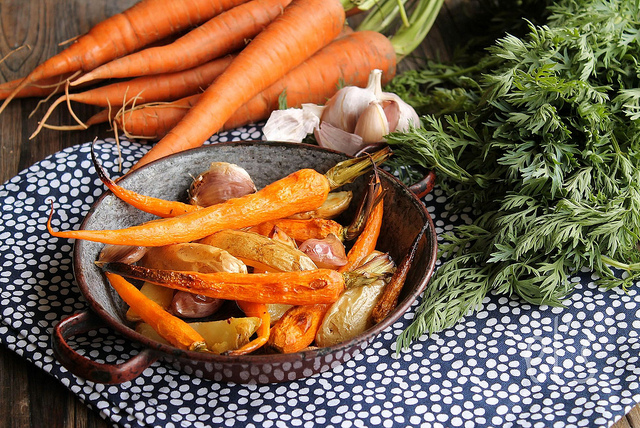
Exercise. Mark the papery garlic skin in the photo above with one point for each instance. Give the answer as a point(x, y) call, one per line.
point(293, 124)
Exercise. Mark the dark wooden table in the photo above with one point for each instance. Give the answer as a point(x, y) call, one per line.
point(34, 28)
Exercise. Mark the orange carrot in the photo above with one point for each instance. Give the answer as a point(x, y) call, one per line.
point(304, 287)
point(221, 35)
point(303, 190)
point(151, 205)
point(304, 27)
point(301, 230)
point(366, 242)
point(41, 88)
point(143, 23)
point(252, 309)
point(163, 87)
point(347, 60)
point(389, 298)
point(171, 328)
point(297, 328)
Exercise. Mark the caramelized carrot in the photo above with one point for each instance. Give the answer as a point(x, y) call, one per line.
point(151, 205)
point(294, 288)
point(301, 230)
point(259, 310)
point(302, 190)
point(171, 328)
point(297, 328)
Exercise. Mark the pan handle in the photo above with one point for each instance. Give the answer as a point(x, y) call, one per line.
point(425, 185)
point(81, 366)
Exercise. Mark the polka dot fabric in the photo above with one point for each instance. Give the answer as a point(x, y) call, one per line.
point(509, 364)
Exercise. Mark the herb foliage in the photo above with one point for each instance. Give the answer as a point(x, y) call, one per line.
point(540, 136)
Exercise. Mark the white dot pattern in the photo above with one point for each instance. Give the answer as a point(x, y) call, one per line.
point(510, 364)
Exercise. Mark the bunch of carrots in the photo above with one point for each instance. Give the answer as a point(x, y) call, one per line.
point(308, 289)
point(178, 72)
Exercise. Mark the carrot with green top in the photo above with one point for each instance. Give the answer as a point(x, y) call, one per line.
point(219, 36)
point(145, 22)
point(171, 328)
point(302, 29)
point(303, 190)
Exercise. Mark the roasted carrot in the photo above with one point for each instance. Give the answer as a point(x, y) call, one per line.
point(304, 287)
point(252, 309)
point(302, 29)
point(301, 230)
point(145, 22)
point(151, 205)
point(162, 87)
point(348, 60)
point(303, 190)
point(366, 242)
point(171, 328)
point(389, 298)
point(220, 35)
point(297, 328)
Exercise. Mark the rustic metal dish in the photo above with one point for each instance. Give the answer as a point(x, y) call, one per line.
point(169, 178)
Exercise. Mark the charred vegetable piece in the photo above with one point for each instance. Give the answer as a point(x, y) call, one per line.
point(297, 328)
point(296, 288)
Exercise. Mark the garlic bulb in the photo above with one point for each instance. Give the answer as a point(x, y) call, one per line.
point(353, 119)
point(222, 181)
point(345, 107)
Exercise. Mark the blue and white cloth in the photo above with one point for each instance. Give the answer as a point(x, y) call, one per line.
point(508, 364)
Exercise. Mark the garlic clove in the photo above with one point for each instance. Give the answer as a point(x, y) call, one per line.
point(345, 107)
point(334, 138)
point(222, 181)
point(407, 114)
point(327, 253)
point(121, 253)
point(372, 124)
point(293, 124)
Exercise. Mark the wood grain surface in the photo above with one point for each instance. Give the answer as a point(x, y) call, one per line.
point(30, 32)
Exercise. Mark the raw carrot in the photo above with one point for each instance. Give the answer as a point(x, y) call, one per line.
point(347, 60)
point(220, 35)
point(303, 190)
point(143, 23)
point(160, 207)
point(171, 328)
point(302, 29)
point(252, 309)
point(162, 87)
point(304, 287)
point(41, 88)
